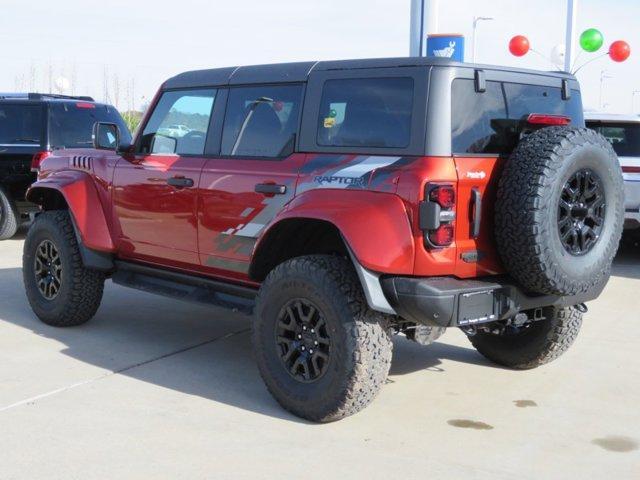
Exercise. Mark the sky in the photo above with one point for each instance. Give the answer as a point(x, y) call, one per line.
point(124, 49)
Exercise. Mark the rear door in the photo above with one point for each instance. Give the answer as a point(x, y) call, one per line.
point(243, 188)
point(155, 190)
point(484, 132)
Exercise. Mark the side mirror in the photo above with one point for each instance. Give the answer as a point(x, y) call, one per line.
point(106, 136)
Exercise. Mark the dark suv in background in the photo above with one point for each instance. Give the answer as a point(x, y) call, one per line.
point(31, 126)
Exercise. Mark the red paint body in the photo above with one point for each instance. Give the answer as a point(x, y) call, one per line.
point(124, 205)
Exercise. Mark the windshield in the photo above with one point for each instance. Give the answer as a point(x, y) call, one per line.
point(624, 137)
point(71, 124)
point(20, 125)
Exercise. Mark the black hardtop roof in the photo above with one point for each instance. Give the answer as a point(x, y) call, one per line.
point(299, 71)
point(46, 97)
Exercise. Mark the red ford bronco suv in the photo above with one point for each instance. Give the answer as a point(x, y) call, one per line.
point(341, 202)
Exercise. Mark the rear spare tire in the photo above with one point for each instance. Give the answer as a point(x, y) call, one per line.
point(560, 210)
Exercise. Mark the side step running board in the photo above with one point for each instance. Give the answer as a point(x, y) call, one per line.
point(185, 287)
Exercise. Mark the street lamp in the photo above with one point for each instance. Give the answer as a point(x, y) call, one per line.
point(633, 96)
point(475, 26)
point(603, 75)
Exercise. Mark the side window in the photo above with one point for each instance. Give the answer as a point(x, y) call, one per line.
point(261, 121)
point(179, 123)
point(366, 112)
point(475, 117)
point(20, 125)
point(624, 137)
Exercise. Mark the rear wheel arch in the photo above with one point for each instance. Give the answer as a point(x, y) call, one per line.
point(295, 237)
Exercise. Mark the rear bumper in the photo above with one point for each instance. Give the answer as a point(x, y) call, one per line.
point(451, 302)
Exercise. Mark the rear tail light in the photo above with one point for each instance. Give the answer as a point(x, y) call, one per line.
point(631, 169)
point(549, 120)
point(443, 195)
point(85, 105)
point(437, 215)
point(37, 159)
point(442, 236)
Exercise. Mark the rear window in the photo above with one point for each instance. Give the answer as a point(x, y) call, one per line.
point(485, 122)
point(71, 123)
point(372, 112)
point(20, 125)
point(624, 137)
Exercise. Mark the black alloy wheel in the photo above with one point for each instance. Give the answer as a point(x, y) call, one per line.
point(303, 341)
point(581, 212)
point(48, 269)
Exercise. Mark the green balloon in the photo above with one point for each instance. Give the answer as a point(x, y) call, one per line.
point(591, 40)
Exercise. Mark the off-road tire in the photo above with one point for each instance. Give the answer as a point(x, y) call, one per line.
point(81, 288)
point(425, 334)
point(541, 342)
point(527, 210)
point(9, 218)
point(360, 339)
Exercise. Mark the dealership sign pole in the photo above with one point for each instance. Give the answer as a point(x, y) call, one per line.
point(424, 20)
point(570, 44)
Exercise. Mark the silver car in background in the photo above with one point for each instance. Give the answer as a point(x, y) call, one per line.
point(623, 131)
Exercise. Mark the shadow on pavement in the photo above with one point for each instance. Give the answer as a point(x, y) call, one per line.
point(627, 261)
point(184, 347)
point(410, 357)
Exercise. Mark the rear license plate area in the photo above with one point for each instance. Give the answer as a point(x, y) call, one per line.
point(477, 307)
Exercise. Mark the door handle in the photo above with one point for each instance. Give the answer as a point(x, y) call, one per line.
point(476, 204)
point(271, 189)
point(180, 182)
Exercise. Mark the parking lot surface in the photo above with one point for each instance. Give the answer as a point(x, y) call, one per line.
point(155, 388)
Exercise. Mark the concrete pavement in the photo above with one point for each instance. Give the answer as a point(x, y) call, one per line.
point(155, 388)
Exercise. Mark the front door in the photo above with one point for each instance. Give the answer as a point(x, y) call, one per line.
point(155, 190)
point(254, 177)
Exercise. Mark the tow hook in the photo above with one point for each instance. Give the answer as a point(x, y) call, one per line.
point(470, 330)
point(582, 308)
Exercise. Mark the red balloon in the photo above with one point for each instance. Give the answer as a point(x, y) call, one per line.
point(519, 45)
point(619, 51)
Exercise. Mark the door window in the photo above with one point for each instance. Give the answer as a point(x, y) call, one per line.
point(179, 123)
point(261, 121)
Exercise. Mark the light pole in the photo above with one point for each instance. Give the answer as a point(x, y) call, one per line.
point(473, 39)
point(603, 75)
point(633, 97)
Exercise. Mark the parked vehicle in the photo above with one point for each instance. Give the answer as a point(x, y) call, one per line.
point(31, 126)
point(623, 132)
point(342, 202)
